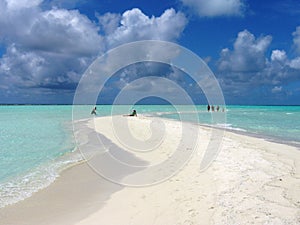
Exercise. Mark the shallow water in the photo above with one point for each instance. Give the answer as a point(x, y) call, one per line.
point(36, 142)
point(279, 122)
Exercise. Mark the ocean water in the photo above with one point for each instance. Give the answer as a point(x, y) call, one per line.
point(33, 142)
point(36, 142)
point(281, 123)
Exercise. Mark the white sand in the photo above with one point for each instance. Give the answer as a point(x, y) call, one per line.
point(252, 181)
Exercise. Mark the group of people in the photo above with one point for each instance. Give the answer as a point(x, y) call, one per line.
point(134, 113)
point(212, 108)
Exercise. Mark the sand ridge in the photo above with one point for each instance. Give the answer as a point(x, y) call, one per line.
point(252, 181)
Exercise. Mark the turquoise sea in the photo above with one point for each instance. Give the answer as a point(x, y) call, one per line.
point(36, 141)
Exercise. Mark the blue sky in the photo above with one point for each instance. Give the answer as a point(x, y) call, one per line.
point(252, 46)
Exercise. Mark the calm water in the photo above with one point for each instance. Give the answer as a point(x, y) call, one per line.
point(278, 122)
point(36, 142)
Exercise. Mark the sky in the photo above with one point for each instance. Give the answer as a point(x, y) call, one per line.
point(251, 46)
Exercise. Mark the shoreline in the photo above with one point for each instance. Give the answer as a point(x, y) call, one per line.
point(240, 131)
point(60, 202)
point(79, 189)
point(274, 139)
point(30, 182)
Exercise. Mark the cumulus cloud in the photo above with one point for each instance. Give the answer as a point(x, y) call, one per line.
point(63, 31)
point(213, 8)
point(29, 69)
point(55, 30)
point(50, 48)
point(109, 22)
point(17, 4)
point(44, 49)
point(248, 54)
point(295, 63)
point(247, 65)
point(151, 79)
point(135, 25)
point(278, 55)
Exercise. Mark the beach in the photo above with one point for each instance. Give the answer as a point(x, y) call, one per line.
point(251, 181)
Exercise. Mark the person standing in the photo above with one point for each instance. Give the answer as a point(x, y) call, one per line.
point(94, 111)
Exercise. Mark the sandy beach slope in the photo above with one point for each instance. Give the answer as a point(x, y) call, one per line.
point(252, 181)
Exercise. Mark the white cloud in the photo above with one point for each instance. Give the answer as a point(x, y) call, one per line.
point(135, 25)
point(32, 69)
point(109, 22)
point(66, 4)
point(65, 31)
point(52, 48)
point(45, 49)
point(18, 4)
point(278, 55)
point(248, 54)
point(295, 63)
point(248, 66)
point(56, 30)
point(153, 86)
point(213, 8)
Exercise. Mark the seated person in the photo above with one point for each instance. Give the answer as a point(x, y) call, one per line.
point(133, 113)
